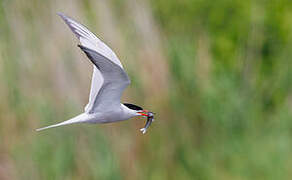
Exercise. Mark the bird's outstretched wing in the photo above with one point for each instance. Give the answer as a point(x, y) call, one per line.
point(115, 81)
point(109, 78)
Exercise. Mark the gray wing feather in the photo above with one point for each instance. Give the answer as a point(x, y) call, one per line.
point(90, 45)
point(89, 40)
point(96, 83)
point(115, 81)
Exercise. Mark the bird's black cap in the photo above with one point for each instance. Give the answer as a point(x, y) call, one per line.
point(133, 107)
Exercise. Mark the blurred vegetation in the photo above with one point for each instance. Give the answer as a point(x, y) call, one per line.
point(217, 73)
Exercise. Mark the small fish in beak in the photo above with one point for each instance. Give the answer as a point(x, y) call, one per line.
point(150, 119)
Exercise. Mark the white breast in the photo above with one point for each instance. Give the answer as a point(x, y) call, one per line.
point(120, 114)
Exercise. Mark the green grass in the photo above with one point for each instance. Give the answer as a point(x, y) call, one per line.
point(217, 73)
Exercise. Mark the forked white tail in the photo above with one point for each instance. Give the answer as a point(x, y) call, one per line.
point(78, 119)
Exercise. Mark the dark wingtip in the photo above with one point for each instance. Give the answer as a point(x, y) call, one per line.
point(63, 16)
point(82, 47)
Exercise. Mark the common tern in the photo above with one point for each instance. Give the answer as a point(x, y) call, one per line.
point(109, 80)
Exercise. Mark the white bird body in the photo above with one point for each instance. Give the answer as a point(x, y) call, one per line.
point(108, 82)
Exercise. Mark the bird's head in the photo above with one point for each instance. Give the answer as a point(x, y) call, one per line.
point(138, 110)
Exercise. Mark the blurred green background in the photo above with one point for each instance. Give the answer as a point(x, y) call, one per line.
point(216, 72)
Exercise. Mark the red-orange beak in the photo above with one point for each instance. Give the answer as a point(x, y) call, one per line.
point(144, 113)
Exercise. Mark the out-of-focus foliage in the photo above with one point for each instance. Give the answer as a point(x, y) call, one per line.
point(217, 73)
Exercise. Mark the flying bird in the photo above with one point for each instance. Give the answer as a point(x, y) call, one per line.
point(109, 80)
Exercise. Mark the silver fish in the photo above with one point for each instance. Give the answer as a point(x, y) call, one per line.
point(150, 119)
